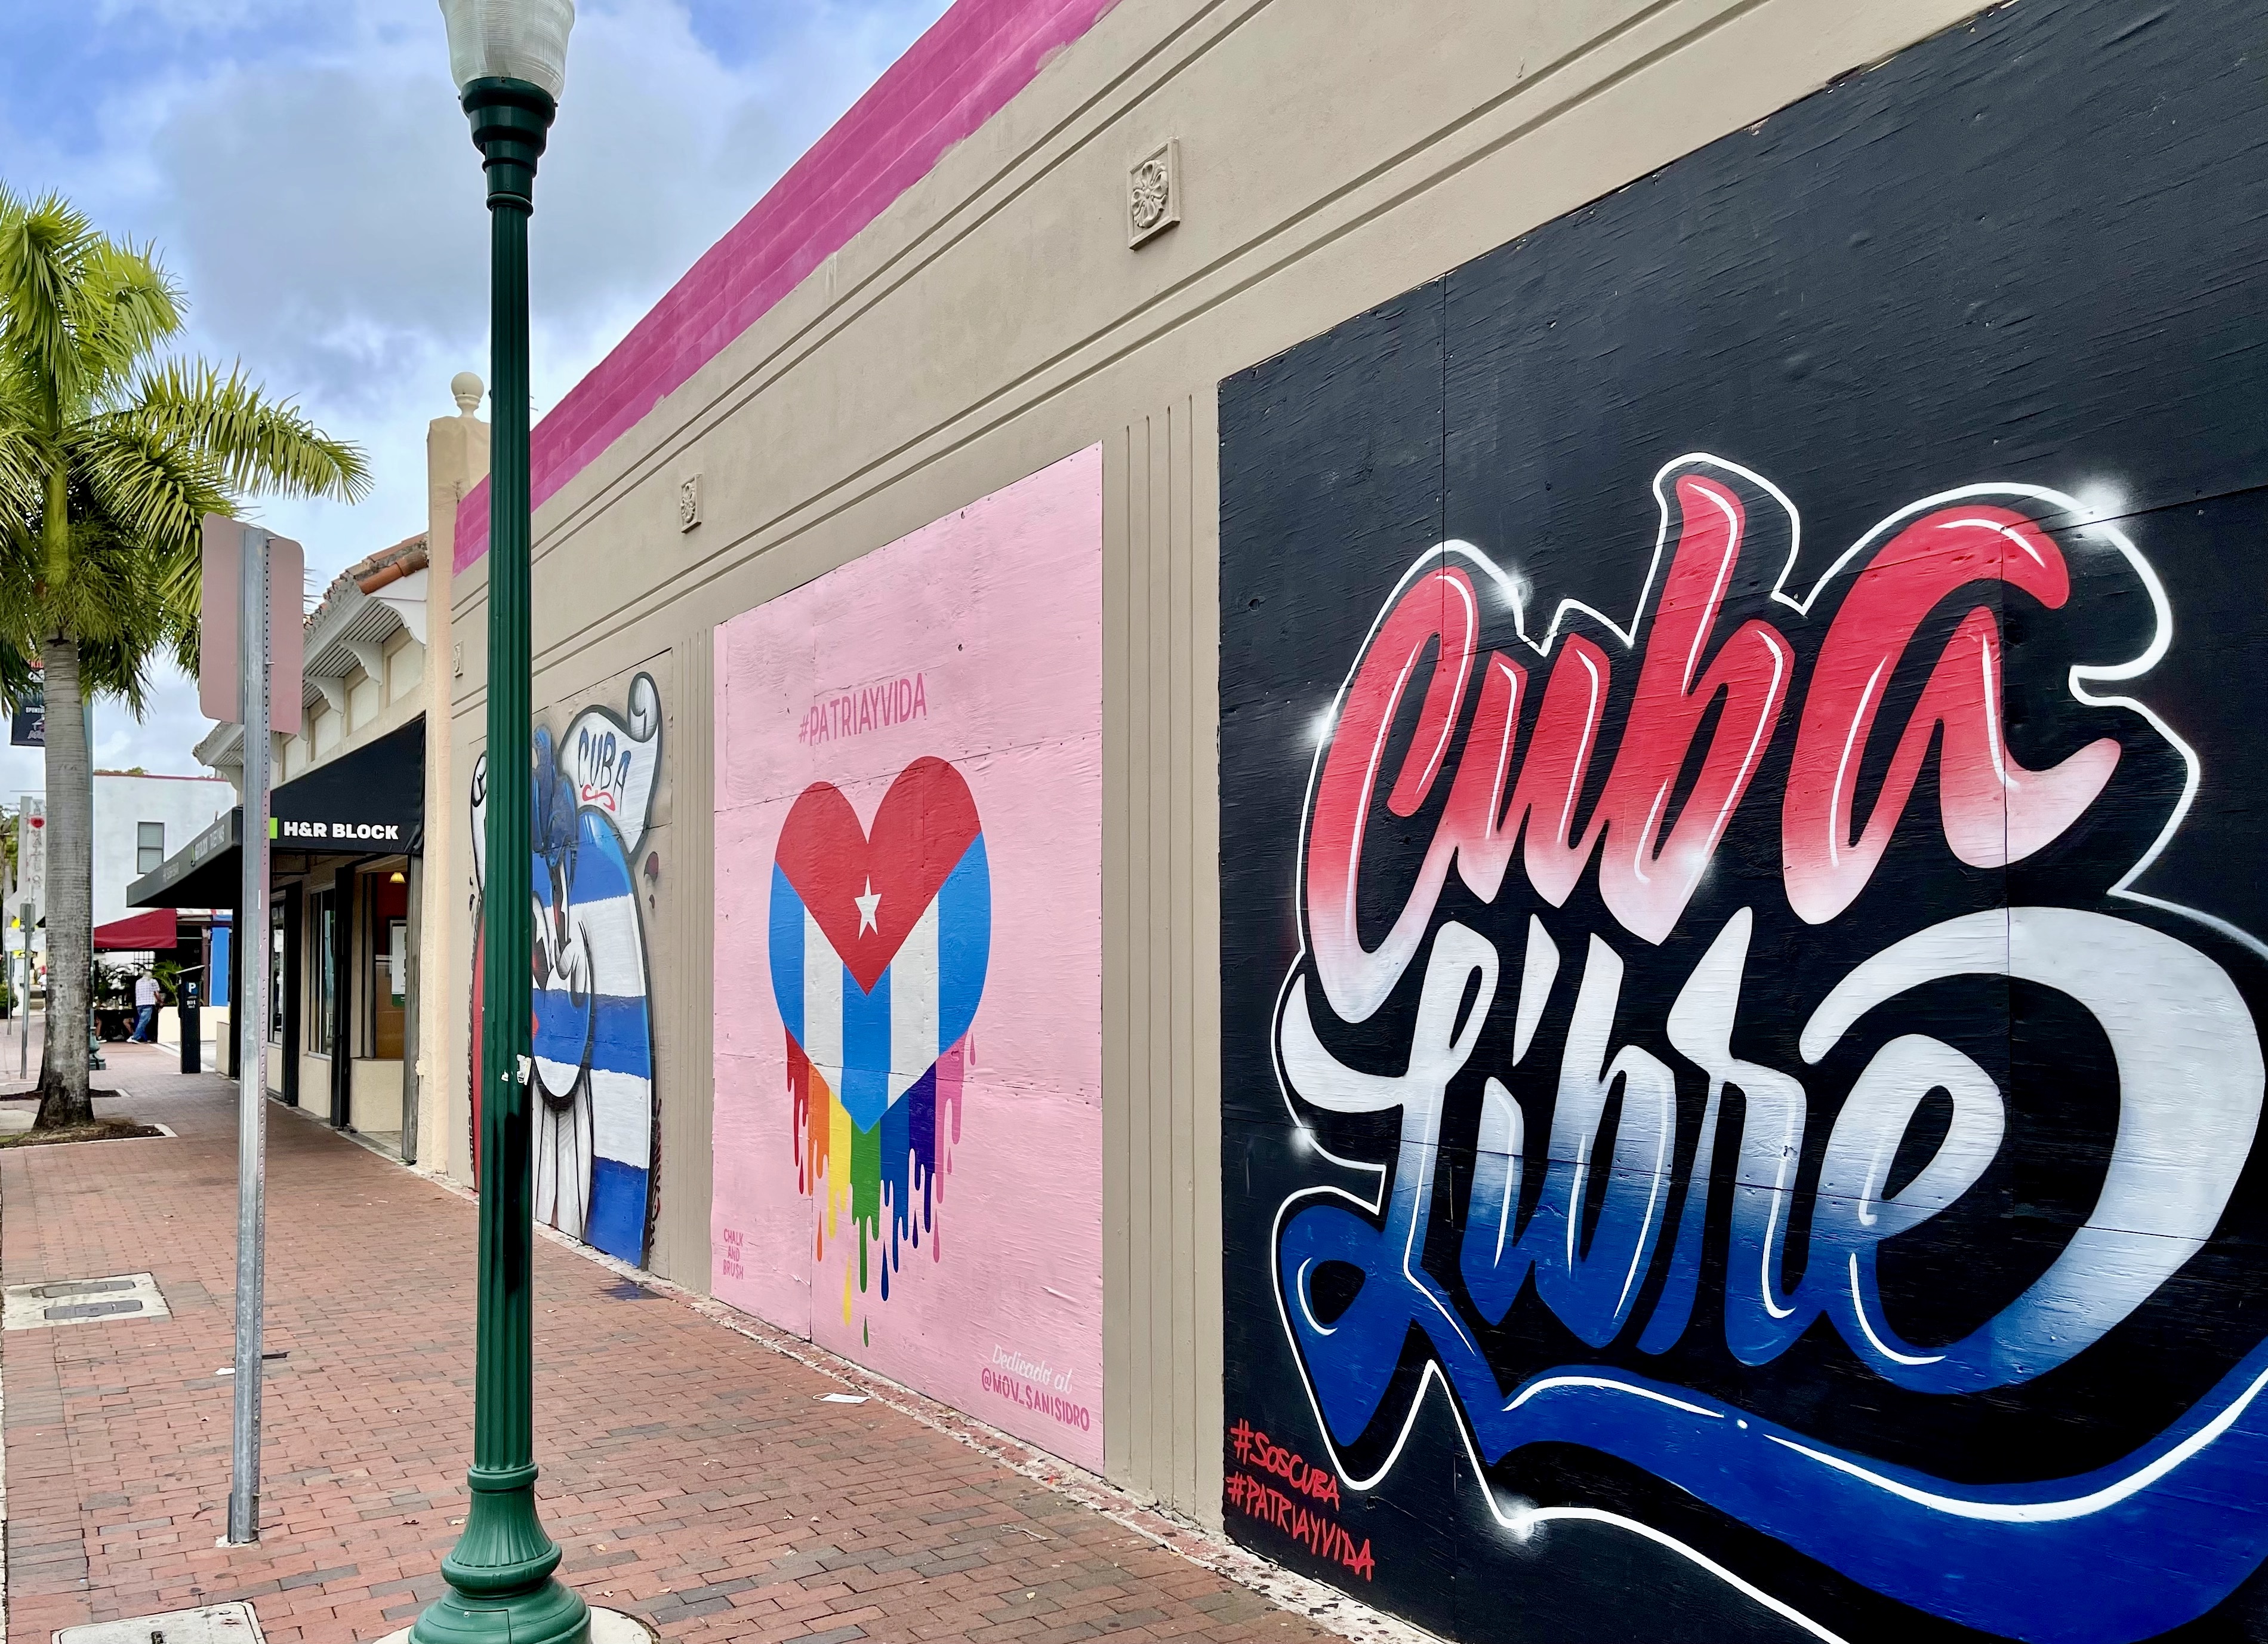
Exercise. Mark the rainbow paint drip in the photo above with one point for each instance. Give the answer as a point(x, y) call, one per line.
point(880, 941)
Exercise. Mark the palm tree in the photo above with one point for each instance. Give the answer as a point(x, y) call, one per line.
point(110, 456)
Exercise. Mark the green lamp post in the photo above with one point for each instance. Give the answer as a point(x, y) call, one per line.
point(508, 59)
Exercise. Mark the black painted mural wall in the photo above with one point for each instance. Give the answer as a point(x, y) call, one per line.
point(1742, 762)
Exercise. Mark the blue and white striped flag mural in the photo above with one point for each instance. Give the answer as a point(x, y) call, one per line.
point(595, 1132)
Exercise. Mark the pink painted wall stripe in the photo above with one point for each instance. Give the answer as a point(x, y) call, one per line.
point(952, 79)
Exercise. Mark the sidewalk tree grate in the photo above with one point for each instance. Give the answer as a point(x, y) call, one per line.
point(215, 1623)
point(86, 1302)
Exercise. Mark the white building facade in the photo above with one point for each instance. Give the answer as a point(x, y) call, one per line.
point(139, 821)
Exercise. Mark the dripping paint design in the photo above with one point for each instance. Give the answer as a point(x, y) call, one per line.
point(879, 940)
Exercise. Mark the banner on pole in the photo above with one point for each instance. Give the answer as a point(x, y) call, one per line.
point(220, 595)
point(27, 727)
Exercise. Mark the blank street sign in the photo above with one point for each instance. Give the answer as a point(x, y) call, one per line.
point(221, 597)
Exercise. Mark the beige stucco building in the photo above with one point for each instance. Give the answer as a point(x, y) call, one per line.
point(354, 919)
point(991, 319)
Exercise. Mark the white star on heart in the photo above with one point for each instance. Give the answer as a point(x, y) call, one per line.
point(867, 903)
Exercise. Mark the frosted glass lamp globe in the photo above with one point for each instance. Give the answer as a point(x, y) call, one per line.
point(509, 40)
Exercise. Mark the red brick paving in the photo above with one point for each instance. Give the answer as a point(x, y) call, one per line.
point(691, 1474)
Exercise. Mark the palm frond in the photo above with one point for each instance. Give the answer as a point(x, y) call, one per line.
point(77, 308)
point(16, 680)
point(112, 606)
point(21, 467)
point(159, 495)
point(109, 458)
point(254, 442)
point(128, 304)
point(146, 487)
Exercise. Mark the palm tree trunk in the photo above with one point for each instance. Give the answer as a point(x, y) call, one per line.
point(63, 1096)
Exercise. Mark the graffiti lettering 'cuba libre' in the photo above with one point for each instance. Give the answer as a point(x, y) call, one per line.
point(1770, 845)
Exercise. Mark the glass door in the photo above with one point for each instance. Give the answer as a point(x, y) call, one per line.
point(277, 974)
point(387, 945)
point(323, 972)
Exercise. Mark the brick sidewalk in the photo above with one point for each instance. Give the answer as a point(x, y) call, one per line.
point(691, 1473)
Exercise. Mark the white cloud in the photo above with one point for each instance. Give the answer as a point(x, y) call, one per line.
point(309, 177)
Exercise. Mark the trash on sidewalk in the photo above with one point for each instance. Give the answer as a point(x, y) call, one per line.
point(281, 1352)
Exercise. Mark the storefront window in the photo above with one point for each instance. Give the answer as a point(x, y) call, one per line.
point(322, 971)
point(277, 978)
point(388, 944)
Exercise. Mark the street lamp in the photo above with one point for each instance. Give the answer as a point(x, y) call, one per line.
point(508, 59)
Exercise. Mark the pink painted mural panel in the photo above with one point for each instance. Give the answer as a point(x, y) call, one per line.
point(909, 1042)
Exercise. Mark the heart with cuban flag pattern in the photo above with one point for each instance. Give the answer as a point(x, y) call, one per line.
point(880, 941)
point(880, 938)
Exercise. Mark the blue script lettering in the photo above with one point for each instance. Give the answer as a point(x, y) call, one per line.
point(2191, 1078)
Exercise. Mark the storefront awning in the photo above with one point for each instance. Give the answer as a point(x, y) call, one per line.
point(370, 802)
point(370, 799)
point(138, 931)
point(202, 873)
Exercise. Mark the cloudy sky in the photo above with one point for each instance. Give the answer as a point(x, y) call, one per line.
point(302, 167)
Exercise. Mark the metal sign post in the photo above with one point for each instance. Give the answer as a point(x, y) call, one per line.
point(31, 891)
point(249, 667)
point(252, 688)
point(32, 860)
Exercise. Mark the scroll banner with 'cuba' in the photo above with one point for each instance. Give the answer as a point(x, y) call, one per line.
point(1742, 962)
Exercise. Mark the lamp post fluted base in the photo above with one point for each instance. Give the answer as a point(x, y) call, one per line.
point(501, 1587)
point(552, 1614)
point(607, 1626)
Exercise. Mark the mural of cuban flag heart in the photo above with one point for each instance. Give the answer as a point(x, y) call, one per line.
point(880, 941)
point(907, 854)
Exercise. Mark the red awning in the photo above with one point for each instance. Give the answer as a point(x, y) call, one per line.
point(138, 931)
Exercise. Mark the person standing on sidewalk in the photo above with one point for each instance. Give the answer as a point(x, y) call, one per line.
point(146, 996)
